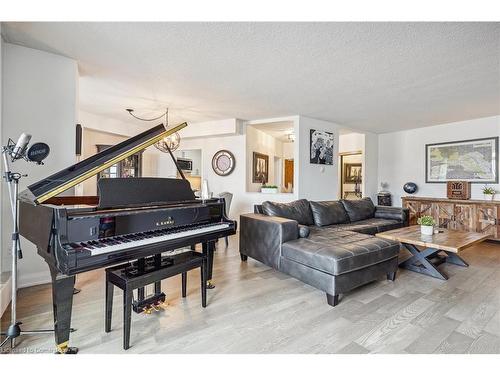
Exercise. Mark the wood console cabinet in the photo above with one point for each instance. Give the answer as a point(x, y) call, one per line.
point(469, 215)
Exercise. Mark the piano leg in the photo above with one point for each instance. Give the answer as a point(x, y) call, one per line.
point(208, 249)
point(141, 263)
point(109, 305)
point(158, 265)
point(62, 302)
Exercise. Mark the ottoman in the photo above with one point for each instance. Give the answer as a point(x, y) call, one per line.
point(339, 261)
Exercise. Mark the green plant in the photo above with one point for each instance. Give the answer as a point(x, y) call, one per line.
point(488, 190)
point(269, 186)
point(427, 221)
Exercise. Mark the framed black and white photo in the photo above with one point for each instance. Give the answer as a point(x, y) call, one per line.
point(321, 147)
point(473, 160)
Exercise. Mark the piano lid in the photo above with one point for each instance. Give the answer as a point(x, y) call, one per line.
point(63, 180)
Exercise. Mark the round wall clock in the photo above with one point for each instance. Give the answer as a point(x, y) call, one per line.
point(223, 162)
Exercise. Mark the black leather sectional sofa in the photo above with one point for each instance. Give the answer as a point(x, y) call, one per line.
point(329, 245)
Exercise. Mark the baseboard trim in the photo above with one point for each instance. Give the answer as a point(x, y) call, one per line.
point(5, 293)
point(32, 279)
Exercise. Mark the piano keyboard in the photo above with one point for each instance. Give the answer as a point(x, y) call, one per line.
point(128, 241)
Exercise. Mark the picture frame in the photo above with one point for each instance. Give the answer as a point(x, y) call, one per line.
point(321, 147)
point(471, 160)
point(260, 168)
point(353, 173)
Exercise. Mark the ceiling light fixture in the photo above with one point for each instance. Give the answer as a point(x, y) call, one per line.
point(170, 143)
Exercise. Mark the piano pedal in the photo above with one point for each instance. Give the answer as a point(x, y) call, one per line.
point(210, 285)
point(148, 304)
point(65, 349)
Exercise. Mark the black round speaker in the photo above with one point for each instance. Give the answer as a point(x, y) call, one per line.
point(38, 152)
point(410, 187)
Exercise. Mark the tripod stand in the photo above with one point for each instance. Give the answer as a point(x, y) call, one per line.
point(14, 329)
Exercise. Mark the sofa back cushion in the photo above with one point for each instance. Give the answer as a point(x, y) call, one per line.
point(359, 209)
point(328, 213)
point(296, 210)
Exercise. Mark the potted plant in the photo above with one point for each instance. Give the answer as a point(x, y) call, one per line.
point(489, 192)
point(426, 225)
point(269, 189)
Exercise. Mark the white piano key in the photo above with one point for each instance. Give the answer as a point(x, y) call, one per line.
point(157, 239)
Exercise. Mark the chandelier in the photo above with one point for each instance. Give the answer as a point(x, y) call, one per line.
point(170, 143)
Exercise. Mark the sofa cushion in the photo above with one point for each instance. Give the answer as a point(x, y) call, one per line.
point(328, 213)
point(359, 209)
point(368, 226)
point(297, 210)
point(339, 252)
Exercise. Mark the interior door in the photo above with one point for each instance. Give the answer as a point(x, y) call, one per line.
point(288, 179)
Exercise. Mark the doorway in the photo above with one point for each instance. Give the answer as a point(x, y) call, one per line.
point(288, 179)
point(351, 175)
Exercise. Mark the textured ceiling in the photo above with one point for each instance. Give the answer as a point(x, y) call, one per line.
point(378, 77)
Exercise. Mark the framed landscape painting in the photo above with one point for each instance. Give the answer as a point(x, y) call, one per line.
point(473, 160)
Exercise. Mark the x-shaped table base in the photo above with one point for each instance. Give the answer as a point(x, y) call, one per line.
point(426, 261)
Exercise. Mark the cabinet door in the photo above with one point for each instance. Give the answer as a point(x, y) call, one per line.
point(486, 220)
point(465, 217)
point(414, 208)
point(443, 214)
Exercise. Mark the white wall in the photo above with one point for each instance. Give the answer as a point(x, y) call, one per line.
point(258, 141)
point(351, 142)
point(370, 166)
point(4, 277)
point(315, 181)
point(402, 155)
point(40, 98)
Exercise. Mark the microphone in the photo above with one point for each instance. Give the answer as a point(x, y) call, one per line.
point(20, 147)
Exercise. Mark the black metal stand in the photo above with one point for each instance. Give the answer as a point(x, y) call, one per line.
point(14, 329)
point(426, 261)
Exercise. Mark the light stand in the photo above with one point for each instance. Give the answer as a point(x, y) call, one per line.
point(12, 179)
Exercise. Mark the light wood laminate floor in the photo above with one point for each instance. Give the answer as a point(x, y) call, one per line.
point(255, 309)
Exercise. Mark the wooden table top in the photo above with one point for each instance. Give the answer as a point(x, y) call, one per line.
point(449, 240)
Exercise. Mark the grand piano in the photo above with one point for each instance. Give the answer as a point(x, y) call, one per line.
point(130, 219)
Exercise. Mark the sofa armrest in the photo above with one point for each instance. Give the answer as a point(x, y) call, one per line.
point(393, 213)
point(261, 236)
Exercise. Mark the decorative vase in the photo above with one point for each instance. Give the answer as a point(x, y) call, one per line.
point(489, 197)
point(427, 230)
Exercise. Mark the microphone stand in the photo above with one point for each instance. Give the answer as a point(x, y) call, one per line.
point(12, 179)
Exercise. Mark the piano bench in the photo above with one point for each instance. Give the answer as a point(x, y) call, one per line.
point(146, 271)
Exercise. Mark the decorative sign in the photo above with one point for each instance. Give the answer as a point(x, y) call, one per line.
point(223, 162)
point(458, 190)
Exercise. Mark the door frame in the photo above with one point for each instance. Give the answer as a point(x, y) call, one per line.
point(341, 169)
